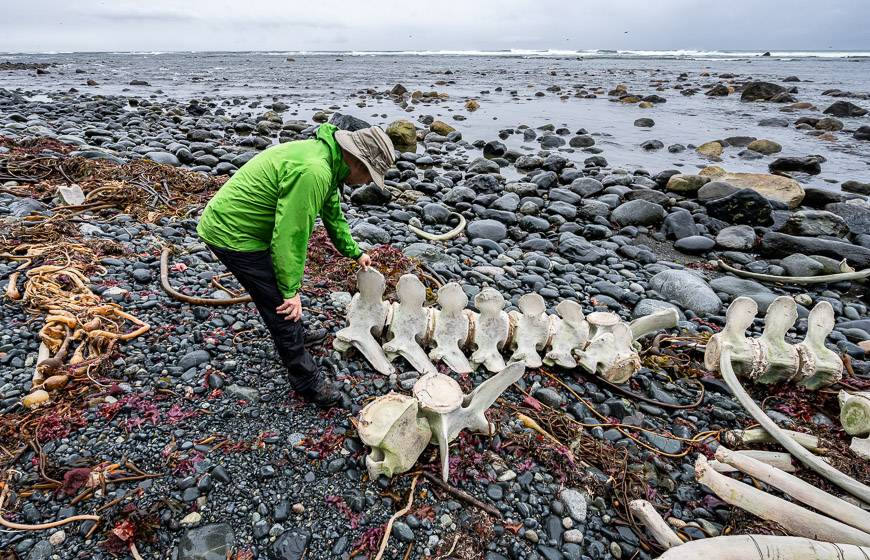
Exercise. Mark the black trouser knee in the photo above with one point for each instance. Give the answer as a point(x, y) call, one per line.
point(254, 271)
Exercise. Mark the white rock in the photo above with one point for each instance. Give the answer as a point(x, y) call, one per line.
point(191, 519)
point(57, 538)
point(575, 504)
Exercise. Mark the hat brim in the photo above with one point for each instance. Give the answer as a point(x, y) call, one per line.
point(345, 140)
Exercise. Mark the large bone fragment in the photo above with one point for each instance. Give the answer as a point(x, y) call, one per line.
point(737, 438)
point(793, 518)
point(855, 413)
point(820, 366)
point(777, 459)
point(845, 482)
point(532, 331)
point(801, 491)
point(409, 324)
point(658, 527)
point(855, 417)
point(746, 352)
point(782, 358)
point(366, 317)
point(763, 547)
point(391, 426)
point(449, 411)
point(490, 331)
point(654, 322)
point(452, 324)
point(610, 353)
point(571, 334)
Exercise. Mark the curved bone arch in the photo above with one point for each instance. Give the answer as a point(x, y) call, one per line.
point(465, 340)
point(442, 236)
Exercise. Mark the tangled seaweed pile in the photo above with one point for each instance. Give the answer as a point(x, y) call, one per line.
point(142, 188)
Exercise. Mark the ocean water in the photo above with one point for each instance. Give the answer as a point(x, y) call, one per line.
point(312, 81)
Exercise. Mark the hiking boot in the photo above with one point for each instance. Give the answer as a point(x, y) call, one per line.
point(324, 396)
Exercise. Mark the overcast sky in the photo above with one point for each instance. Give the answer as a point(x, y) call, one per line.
point(166, 25)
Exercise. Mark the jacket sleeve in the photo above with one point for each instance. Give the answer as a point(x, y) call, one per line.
point(336, 226)
point(301, 197)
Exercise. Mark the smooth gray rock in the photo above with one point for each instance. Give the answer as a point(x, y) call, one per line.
point(687, 290)
point(575, 504)
point(734, 286)
point(737, 238)
point(365, 231)
point(801, 265)
point(209, 542)
point(487, 229)
point(638, 213)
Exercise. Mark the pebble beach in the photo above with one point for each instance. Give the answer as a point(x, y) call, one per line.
point(615, 180)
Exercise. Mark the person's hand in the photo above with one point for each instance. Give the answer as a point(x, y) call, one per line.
point(364, 260)
point(292, 307)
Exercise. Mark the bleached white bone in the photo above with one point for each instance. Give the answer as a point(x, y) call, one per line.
point(801, 491)
point(601, 322)
point(532, 330)
point(778, 459)
point(746, 352)
point(793, 518)
point(842, 480)
point(397, 434)
point(781, 357)
point(737, 438)
point(644, 512)
point(451, 328)
point(610, 354)
point(449, 411)
point(409, 324)
point(819, 365)
point(572, 333)
point(764, 547)
point(855, 412)
point(366, 317)
point(490, 331)
point(654, 322)
point(861, 447)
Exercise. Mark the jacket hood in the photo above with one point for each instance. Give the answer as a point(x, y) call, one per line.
point(340, 170)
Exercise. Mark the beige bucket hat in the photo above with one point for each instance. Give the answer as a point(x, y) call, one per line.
point(371, 146)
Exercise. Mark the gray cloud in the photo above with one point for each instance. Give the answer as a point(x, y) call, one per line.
point(46, 25)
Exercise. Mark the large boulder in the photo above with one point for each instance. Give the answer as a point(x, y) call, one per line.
point(815, 223)
point(403, 134)
point(441, 127)
point(686, 184)
point(761, 91)
point(736, 238)
point(775, 187)
point(348, 122)
point(856, 216)
point(812, 165)
point(487, 229)
point(578, 250)
point(163, 157)
point(781, 245)
point(742, 207)
point(371, 233)
point(845, 109)
point(638, 213)
point(687, 290)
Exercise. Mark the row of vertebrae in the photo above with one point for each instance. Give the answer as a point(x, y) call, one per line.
point(769, 358)
point(599, 342)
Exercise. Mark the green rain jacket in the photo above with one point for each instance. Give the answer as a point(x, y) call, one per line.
point(273, 200)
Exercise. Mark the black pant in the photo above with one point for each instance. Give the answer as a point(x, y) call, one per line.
point(255, 273)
